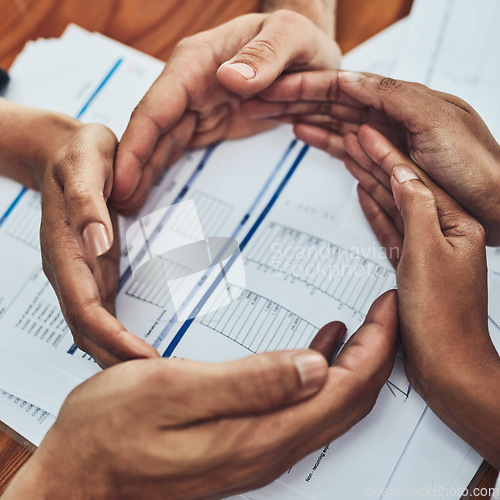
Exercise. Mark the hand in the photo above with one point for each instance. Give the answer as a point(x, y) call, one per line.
point(80, 250)
point(201, 430)
point(440, 132)
point(442, 293)
point(196, 99)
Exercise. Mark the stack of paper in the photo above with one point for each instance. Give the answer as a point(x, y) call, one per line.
point(282, 202)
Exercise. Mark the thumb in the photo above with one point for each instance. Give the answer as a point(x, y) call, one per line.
point(257, 384)
point(276, 48)
point(416, 203)
point(85, 175)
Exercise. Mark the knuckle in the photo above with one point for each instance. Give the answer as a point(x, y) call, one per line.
point(325, 108)
point(69, 157)
point(387, 84)
point(475, 230)
point(259, 50)
point(156, 377)
point(184, 45)
point(79, 314)
point(285, 17)
point(324, 141)
point(333, 92)
point(270, 386)
point(417, 192)
point(461, 104)
point(77, 194)
point(419, 86)
point(458, 105)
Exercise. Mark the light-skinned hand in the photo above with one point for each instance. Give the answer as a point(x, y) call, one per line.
point(72, 166)
point(196, 99)
point(80, 244)
point(195, 430)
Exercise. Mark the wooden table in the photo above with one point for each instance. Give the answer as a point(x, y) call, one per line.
point(155, 27)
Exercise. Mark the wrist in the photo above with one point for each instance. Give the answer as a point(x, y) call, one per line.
point(320, 12)
point(30, 137)
point(66, 465)
point(468, 402)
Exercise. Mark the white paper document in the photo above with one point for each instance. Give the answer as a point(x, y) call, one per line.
point(266, 243)
point(303, 267)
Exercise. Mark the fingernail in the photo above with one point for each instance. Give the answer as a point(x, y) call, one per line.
point(312, 369)
point(403, 173)
point(95, 238)
point(246, 71)
point(349, 76)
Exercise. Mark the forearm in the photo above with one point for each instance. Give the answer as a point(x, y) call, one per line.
point(27, 483)
point(320, 12)
point(28, 138)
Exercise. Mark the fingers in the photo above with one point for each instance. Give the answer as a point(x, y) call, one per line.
point(306, 93)
point(431, 216)
point(414, 200)
point(352, 387)
point(383, 226)
point(312, 87)
point(94, 329)
point(159, 111)
point(253, 385)
point(73, 211)
point(84, 171)
point(286, 40)
point(401, 101)
point(270, 381)
point(320, 138)
point(103, 357)
point(168, 149)
point(377, 191)
point(355, 150)
point(328, 340)
point(369, 354)
point(443, 214)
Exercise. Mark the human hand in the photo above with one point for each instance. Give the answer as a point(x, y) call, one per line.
point(80, 245)
point(202, 430)
point(442, 294)
point(440, 132)
point(196, 99)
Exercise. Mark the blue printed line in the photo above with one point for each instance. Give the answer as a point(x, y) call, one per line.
point(99, 88)
point(182, 331)
point(128, 272)
point(233, 236)
point(106, 79)
point(276, 195)
point(24, 190)
point(264, 188)
point(13, 204)
point(72, 349)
